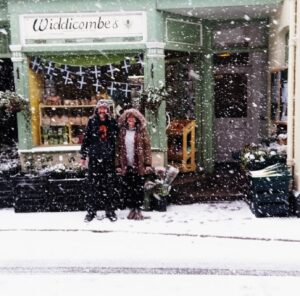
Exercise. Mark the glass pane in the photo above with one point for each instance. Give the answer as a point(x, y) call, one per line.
point(242, 35)
point(230, 95)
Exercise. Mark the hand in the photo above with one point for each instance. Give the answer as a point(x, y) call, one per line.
point(83, 162)
point(148, 169)
point(119, 171)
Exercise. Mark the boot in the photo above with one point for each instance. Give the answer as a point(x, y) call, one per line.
point(111, 215)
point(138, 215)
point(131, 214)
point(89, 217)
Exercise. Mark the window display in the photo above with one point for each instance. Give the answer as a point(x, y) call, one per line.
point(70, 94)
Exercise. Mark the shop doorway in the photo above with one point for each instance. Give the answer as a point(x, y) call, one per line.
point(181, 79)
point(239, 102)
point(8, 122)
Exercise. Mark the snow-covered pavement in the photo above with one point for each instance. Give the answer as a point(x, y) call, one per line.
point(199, 242)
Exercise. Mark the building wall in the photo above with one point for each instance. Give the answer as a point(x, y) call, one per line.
point(153, 47)
point(279, 26)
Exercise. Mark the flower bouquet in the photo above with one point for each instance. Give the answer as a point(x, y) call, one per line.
point(161, 185)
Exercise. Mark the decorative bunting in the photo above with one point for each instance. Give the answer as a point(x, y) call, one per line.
point(64, 69)
point(126, 65)
point(67, 78)
point(97, 85)
point(80, 72)
point(50, 70)
point(81, 82)
point(96, 71)
point(80, 75)
point(112, 70)
point(126, 89)
point(111, 88)
point(140, 60)
point(36, 65)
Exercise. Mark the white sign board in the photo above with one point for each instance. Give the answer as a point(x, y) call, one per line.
point(82, 26)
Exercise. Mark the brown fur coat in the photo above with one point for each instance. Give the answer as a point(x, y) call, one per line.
point(142, 146)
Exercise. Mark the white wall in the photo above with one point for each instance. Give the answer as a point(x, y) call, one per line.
point(279, 24)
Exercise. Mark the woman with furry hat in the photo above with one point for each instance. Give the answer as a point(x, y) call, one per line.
point(99, 146)
point(133, 158)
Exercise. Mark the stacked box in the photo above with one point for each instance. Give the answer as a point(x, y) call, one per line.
point(269, 196)
point(66, 194)
point(41, 193)
point(30, 193)
point(6, 199)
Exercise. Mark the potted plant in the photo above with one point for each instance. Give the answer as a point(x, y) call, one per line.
point(256, 157)
point(152, 97)
point(12, 102)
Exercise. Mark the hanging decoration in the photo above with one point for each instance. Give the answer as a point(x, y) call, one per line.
point(97, 76)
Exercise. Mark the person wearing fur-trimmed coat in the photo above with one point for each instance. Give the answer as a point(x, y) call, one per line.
point(133, 158)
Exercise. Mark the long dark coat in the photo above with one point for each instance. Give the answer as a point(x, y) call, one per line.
point(98, 151)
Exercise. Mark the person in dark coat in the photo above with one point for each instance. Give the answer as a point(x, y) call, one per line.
point(133, 158)
point(99, 147)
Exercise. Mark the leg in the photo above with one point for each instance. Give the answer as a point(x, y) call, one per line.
point(136, 196)
point(108, 194)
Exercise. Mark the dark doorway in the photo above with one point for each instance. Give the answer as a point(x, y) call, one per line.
point(230, 95)
point(8, 121)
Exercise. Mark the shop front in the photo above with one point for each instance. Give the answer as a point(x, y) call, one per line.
point(212, 66)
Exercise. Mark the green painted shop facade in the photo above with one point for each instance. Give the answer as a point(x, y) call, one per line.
point(194, 48)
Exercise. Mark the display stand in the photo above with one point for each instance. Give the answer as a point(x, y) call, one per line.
point(181, 144)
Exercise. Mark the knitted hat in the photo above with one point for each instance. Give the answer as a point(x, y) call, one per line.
point(103, 103)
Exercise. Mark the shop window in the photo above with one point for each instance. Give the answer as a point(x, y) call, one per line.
point(4, 39)
point(6, 75)
point(181, 79)
point(242, 35)
point(279, 95)
point(230, 94)
point(69, 94)
point(286, 52)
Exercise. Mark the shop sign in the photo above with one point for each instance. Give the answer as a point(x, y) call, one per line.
point(82, 26)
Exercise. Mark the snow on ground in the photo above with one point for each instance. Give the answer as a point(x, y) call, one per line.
point(147, 285)
point(210, 248)
point(230, 219)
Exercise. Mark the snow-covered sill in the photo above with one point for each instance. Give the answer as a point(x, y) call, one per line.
point(51, 149)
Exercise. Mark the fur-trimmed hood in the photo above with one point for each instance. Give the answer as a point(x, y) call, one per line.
point(141, 120)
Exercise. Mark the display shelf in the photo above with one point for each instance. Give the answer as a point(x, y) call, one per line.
point(181, 144)
point(63, 124)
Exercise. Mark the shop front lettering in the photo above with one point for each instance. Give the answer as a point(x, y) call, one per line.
point(44, 24)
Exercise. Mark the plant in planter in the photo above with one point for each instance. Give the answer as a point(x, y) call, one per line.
point(152, 97)
point(60, 171)
point(12, 102)
point(256, 157)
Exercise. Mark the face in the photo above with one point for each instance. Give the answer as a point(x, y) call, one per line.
point(131, 120)
point(102, 110)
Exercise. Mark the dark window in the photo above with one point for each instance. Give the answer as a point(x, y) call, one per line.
point(6, 75)
point(230, 95)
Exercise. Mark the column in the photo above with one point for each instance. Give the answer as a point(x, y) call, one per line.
point(206, 104)
point(297, 106)
point(155, 77)
point(21, 86)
